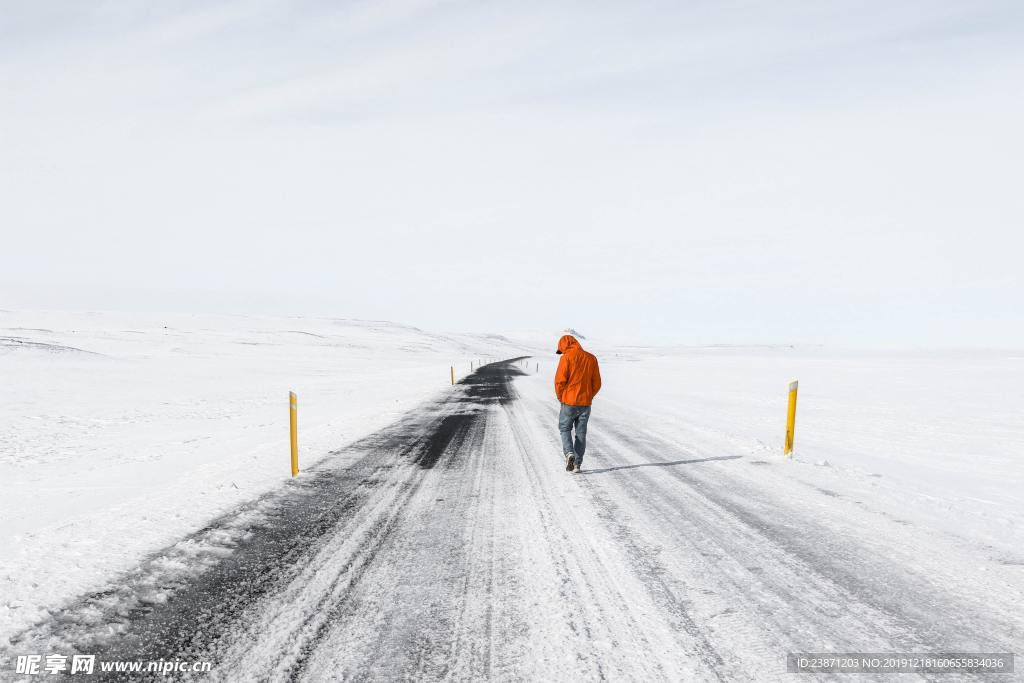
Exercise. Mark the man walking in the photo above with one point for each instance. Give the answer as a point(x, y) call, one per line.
point(577, 381)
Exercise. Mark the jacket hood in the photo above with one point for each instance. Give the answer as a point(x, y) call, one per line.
point(567, 342)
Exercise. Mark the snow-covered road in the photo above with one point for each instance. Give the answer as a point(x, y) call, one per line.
point(453, 544)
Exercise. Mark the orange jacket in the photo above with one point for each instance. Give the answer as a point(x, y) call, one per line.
point(578, 379)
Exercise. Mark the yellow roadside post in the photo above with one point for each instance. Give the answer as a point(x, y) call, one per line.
point(293, 418)
point(453, 375)
point(791, 418)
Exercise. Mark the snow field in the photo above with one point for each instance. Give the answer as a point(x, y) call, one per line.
point(120, 433)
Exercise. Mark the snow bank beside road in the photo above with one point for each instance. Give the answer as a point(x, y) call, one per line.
point(119, 433)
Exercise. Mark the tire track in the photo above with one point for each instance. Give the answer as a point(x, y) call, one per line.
point(599, 599)
point(644, 567)
point(896, 605)
point(397, 566)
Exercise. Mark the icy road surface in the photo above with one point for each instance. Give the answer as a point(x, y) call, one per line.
point(453, 544)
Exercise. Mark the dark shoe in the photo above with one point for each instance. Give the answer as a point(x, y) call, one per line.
point(569, 461)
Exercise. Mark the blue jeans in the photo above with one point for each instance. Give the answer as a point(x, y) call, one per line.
point(570, 417)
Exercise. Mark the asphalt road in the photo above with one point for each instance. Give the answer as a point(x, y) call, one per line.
point(453, 545)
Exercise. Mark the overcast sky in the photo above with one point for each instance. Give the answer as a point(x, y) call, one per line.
point(844, 172)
